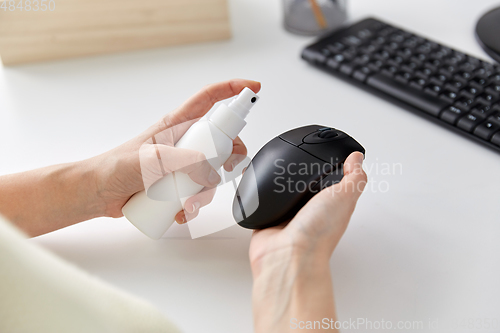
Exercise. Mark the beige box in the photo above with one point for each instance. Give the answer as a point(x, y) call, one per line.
point(74, 28)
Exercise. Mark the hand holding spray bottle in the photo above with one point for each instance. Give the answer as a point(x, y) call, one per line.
point(154, 212)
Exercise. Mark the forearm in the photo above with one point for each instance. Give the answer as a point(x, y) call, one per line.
point(47, 199)
point(290, 290)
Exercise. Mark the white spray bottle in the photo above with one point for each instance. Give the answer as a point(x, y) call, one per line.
point(153, 213)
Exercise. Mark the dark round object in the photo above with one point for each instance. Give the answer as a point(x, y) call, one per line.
point(253, 99)
point(488, 32)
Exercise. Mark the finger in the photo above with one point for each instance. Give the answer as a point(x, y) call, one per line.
point(337, 202)
point(157, 161)
point(180, 217)
point(190, 162)
point(199, 104)
point(173, 133)
point(193, 204)
point(239, 153)
point(201, 199)
point(354, 181)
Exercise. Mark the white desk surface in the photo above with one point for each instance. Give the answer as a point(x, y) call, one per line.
point(425, 248)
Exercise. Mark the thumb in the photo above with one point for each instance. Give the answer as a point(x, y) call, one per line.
point(354, 181)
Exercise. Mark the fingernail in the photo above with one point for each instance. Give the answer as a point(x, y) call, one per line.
point(213, 177)
point(183, 220)
point(191, 209)
point(359, 159)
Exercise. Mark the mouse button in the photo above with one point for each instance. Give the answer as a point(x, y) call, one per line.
point(324, 135)
point(296, 135)
point(328, 134)
point(334, 151)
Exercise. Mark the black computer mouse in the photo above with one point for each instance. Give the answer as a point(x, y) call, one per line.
point(288, 171)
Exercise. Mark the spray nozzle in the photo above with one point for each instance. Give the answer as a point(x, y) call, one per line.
point(242, 104)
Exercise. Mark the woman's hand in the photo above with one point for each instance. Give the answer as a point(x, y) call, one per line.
point(47, 199)
point(122, 171)
point(290, 263)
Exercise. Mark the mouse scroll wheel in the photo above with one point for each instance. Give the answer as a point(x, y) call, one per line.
point(328, 134)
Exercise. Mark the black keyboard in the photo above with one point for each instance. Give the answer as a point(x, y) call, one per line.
point(449, 87)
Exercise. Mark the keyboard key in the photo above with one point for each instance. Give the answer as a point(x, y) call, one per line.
point(470, 92)
point(350, 53)
point(362, 60)
point(451, 114)
point(424, 73)
point(336, 47)
point(419, 58)
point(486, 130)
point(403, 77)
point(347, 68)
point(314, 56)
point(481, 111)
point(395, 61)
point(454, 86)
point(397, 37)
point(464, 103)
point(478, 83)
point(493, 89)
point(336, 61)
point(405, 53)
point(424, 49)
point(361, 74)
point(483, 73)
point(468, 66)
point(433, 89)
point(496, 79)
point(418, 83)
point(352, 41)
point(448, 70)
point(370, 49)
point(365, 34)
point(410, 43)
point(486, 99)
point(456, 59)
point(433, 64)
point(382, 55)
point(409, 66)
point(386, 31)
point(463, 76)
point(495, 118)
point(389, 71)
point(495, 139)
point(391, 47)
point(379, 41)
point(469, 122)
point(449, 96)
point(326, 52)
point(406, 94)
point(439, 79)
point(375, 66)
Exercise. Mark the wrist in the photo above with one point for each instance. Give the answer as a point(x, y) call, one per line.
point(86, 176)
point(292, 251)
point(291, 285)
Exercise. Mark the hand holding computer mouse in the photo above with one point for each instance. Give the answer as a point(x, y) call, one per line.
point(290, 263)
point(320, 224)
